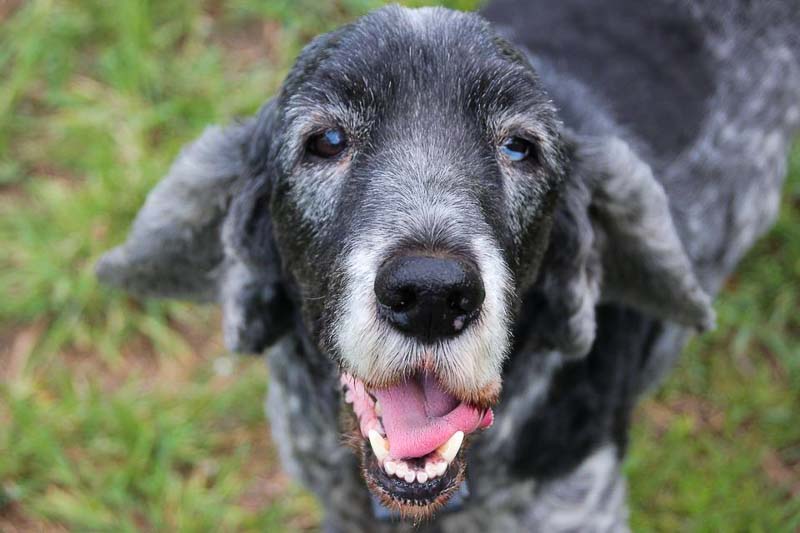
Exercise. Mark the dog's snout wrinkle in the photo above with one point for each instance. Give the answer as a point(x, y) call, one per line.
point(428, 297)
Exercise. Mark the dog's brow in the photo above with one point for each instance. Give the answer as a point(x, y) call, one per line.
point(307, 116)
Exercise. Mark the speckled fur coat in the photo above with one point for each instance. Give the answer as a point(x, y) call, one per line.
point(704, 96)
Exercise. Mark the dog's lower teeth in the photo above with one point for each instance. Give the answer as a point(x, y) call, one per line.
point(434, 466)
point(401, 470)
point(435, 469)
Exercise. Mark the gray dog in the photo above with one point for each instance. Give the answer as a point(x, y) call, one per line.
point(426, 211)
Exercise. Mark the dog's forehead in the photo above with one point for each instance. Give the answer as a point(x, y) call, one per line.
point(401, 59)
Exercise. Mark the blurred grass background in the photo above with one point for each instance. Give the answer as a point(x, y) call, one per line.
point(123, 415)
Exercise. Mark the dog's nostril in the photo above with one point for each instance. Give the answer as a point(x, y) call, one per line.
point(404, 300)
point(428, 297)
point(464, 304)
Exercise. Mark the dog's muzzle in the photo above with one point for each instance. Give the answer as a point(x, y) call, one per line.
point(422, 334)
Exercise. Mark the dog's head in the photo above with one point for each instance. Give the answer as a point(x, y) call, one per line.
point(410, 184)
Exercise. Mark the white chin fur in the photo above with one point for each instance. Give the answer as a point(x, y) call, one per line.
point(376, 353)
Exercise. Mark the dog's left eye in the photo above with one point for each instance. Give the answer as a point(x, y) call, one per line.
point(516, 148)
point(327, 144)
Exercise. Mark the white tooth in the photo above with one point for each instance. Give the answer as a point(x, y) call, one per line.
point(431, 470)
point(422, 477)
point(410, 476)
point(402, 469)
point(379, 446)
point(348, 396)
point(378, 410)
point(441, 468)
point(390, 467)
point(449, 449)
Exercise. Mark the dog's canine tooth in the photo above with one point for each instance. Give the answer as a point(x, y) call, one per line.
point(422, 477)
point(379, 445)
point(390, 467)
point(449, 449)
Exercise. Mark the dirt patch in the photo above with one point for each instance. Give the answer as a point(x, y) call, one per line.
point(7, 8)
point(16, 191)
point(782, 473)
point(12, 193)
point(16, 346)
point(246, 45)
point(269, 482)
point(14, 520)
point(702, 413)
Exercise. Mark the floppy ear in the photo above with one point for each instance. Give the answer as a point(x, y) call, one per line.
point(177, 247)
point(613, 240)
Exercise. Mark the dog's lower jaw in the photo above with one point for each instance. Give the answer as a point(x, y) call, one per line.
point(415, 506)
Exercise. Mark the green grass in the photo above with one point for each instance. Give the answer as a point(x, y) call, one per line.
point(121, 415)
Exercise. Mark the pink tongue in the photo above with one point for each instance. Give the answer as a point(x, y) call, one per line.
point(419, 416)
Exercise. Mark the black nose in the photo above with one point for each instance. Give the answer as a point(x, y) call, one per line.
point(429, 297)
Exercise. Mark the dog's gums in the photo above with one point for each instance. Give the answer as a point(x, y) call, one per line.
point(411, 440)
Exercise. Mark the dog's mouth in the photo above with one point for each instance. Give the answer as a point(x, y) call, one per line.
point(410, 438)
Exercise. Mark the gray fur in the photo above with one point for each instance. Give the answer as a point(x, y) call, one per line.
point(174, 248)
point(644, 264)
point(630, 251)
point(634, 212)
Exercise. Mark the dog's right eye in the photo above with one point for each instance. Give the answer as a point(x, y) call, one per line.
point(516, 148)
point(327, 144)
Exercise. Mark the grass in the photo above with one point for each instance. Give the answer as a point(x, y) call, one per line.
point(125, 415)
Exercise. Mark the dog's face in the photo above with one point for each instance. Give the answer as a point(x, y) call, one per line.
point(418, 162)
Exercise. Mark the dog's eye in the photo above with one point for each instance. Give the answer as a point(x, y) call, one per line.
point(327, 144)
point(516, 148)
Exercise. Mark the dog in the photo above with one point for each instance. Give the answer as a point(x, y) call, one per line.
point(469, 258)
